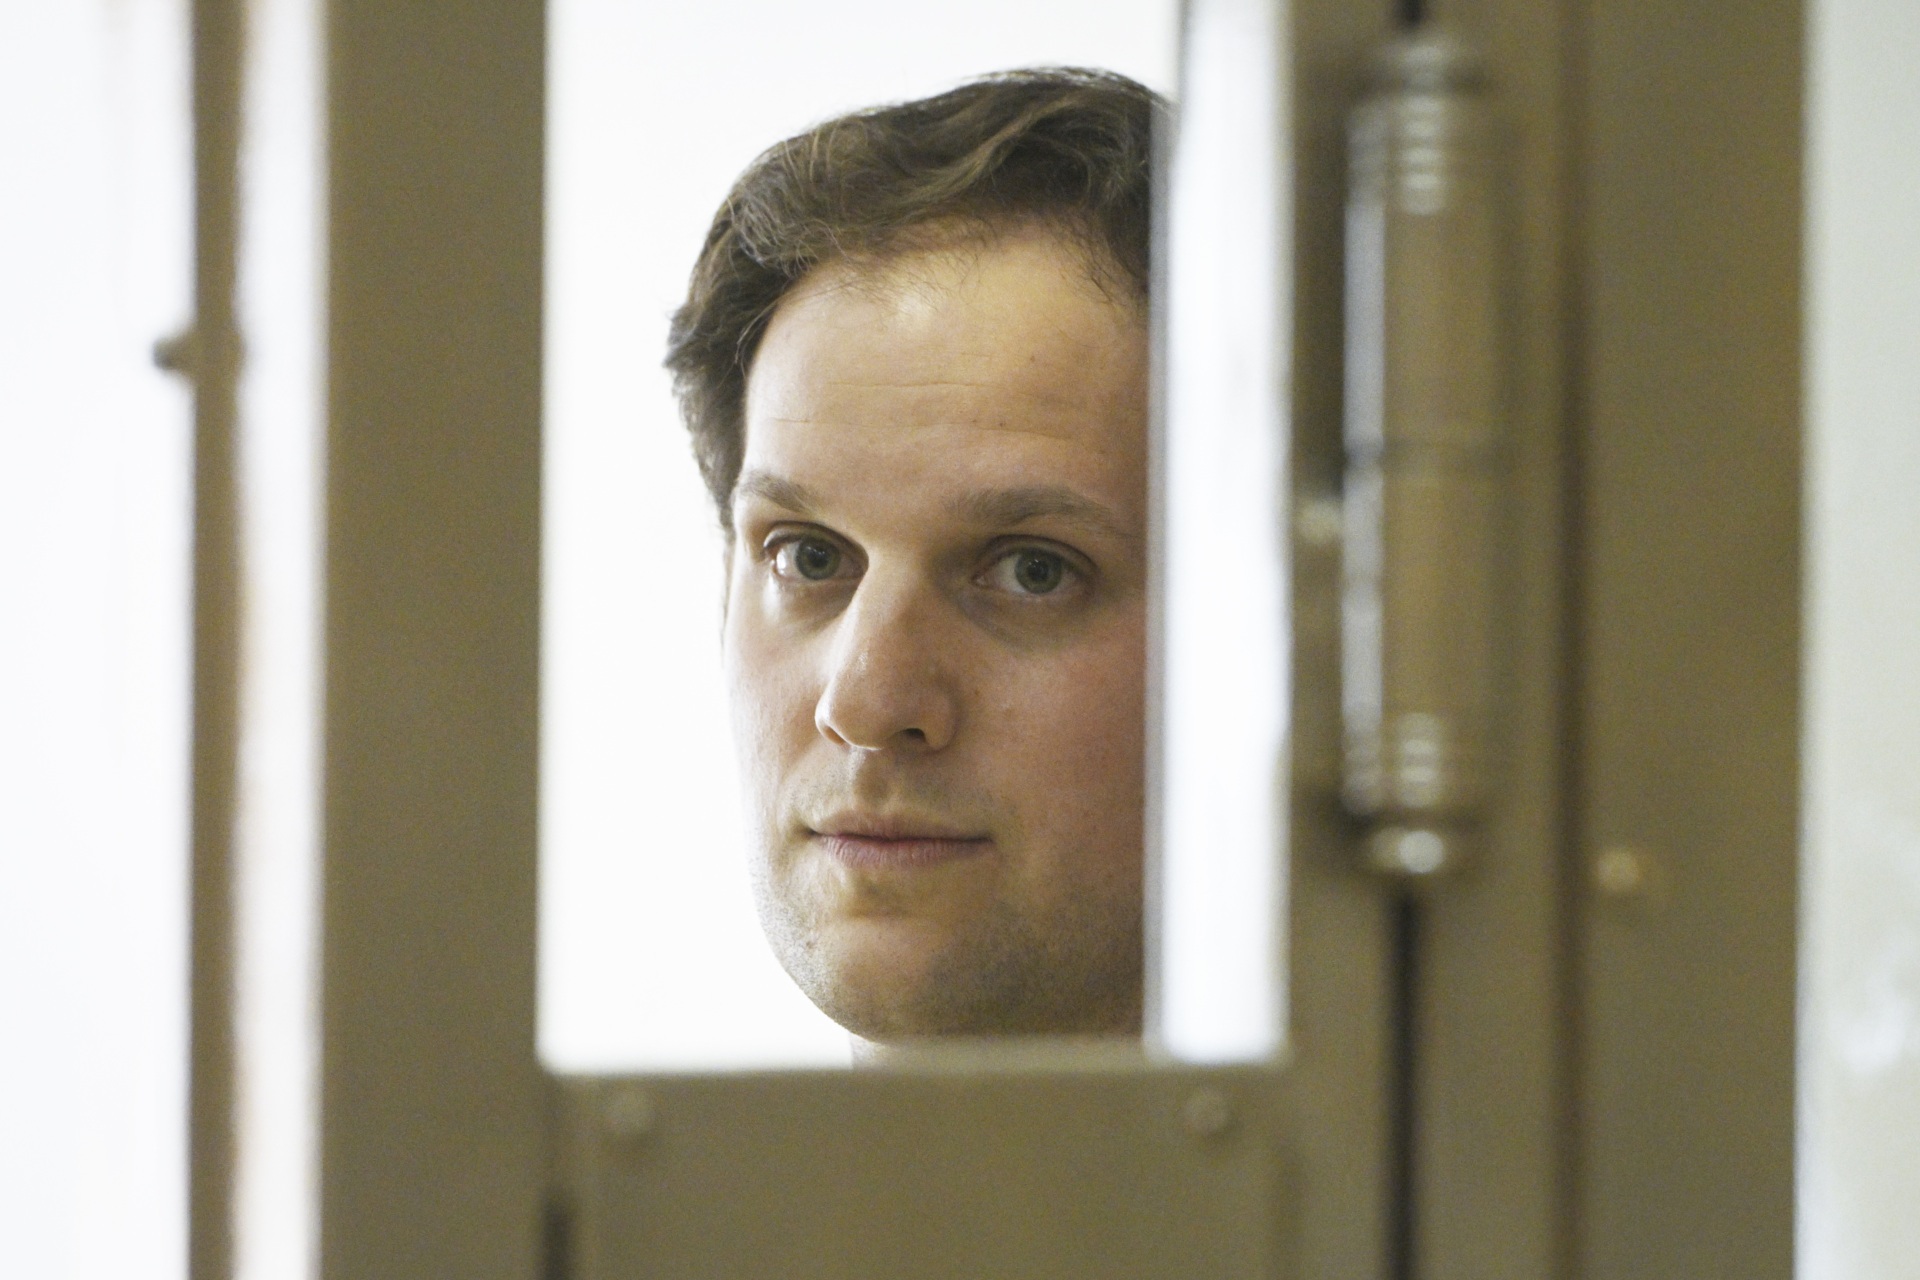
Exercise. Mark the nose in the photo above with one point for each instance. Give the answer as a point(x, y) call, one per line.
point(889, 683)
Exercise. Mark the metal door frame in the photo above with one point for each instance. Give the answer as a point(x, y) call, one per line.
point(1571, 1005)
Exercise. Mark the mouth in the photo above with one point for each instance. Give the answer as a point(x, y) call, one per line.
point(873, 843)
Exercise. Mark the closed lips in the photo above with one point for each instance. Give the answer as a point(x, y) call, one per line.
point(873, 843)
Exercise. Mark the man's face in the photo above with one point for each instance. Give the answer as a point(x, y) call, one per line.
point(935, 641)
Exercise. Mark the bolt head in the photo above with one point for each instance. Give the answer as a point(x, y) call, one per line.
point(1621, 871)
point(629, 1113)
point(1207, 1114)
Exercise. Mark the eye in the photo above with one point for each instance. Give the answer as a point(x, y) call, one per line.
point(1030, 571)
point(813, 559)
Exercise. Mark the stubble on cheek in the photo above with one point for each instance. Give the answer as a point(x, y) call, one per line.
point(800, 881)
point(889, 960)
point(1041, 936)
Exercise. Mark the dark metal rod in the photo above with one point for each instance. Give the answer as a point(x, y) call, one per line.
point(1404, 1083)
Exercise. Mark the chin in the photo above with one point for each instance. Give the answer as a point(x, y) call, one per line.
point(895, 980)
point(878, 979)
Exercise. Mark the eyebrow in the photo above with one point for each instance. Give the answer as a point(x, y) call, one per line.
point(1006, 508)
point(998, 508)
point(778, 490)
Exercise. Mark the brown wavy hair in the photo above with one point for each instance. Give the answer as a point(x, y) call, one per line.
point(1068, 147)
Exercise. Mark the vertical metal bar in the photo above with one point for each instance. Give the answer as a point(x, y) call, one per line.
point(210, 355)
point(1690, 708)
point(1425, 495)
point(1341, 976)
point(431, 1098)
point(1492, 1000)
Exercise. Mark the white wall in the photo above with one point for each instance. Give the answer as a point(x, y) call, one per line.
point(1860, 946)
point(650, 956)
point(94, 455)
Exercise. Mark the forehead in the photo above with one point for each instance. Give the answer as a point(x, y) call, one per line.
point(1001, 363)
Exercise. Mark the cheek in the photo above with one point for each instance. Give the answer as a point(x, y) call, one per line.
point(770, 688)
point(1079, 719)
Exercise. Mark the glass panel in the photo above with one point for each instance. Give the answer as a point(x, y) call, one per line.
point(95, 450)
point(276, 845)
point(1859, 1077)
point(650, 953)
point(1225, 666)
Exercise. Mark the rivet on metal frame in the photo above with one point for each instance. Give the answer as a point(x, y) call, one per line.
point(629, 1113)
point(1207, 1114)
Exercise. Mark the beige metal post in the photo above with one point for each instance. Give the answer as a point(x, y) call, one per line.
point(1492, 1021)
point(1340, 978)
point(208, 353)
point(1690, 572)
point(431, 1120)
